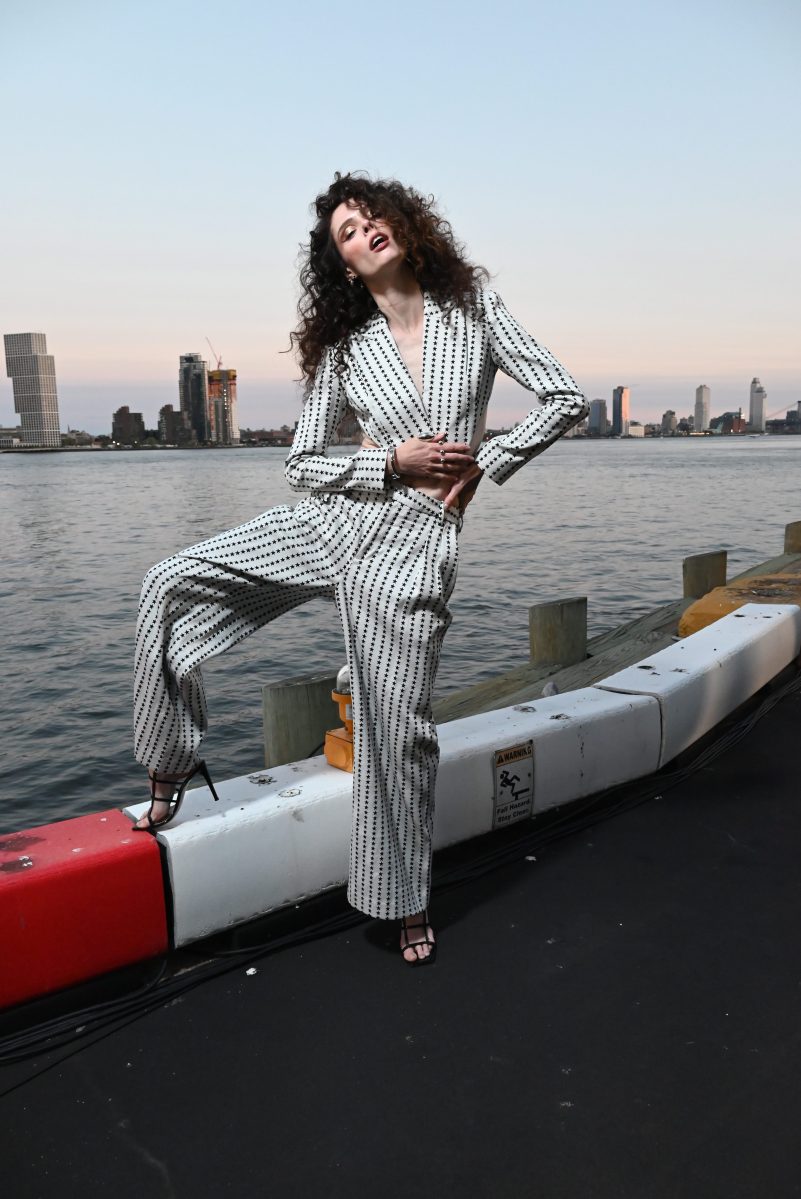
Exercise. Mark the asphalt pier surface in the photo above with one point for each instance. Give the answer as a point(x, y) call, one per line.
point(620, 1017)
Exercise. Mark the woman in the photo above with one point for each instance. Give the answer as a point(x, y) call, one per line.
point(397, 326)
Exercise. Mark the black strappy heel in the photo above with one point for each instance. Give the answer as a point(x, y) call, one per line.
point(406, 927)
point(175, 800)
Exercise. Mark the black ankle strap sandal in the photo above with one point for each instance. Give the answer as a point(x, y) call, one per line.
point(173, 801)
point(406, 943)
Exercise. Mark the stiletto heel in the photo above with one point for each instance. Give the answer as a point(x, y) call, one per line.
point(173, 801)
point(201, 766)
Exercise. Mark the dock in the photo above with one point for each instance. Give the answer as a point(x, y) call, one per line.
point(613, 1011)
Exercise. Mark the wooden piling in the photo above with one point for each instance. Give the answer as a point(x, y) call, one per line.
point(792, 537)
point(557, 631)
point(297, 712)
point(703, 572)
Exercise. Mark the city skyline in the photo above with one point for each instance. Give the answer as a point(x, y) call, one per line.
point(578, 196)
point(207, 410)
point(194, 372)
point(206, 413)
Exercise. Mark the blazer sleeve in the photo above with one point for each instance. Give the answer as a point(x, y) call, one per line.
point(308, 466)
point(517, 354)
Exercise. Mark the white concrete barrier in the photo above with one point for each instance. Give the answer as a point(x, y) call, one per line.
point(278, 836)
point(281, 835)
point(580, 746)
point(700, 680)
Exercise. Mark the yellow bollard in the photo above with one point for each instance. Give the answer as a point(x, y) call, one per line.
point(339, 742)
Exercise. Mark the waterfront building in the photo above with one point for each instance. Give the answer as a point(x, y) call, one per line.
point(173, 428)
point(10, 437)
point(597, 424)
point(729, 422)
point(77, 437)
point(636, 429)
point(702, 398)
point(620, 412)
point(790, 424)
point(224, 426)
point(282, 436)
point(756, 410)
point(579, 430)
point(33, 374)
point(193, 390)
point(127, 428)
point(669, 422)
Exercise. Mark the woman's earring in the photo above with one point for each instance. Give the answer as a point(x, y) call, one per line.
point(351, 276)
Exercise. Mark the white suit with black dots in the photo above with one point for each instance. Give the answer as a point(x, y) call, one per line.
point(385, 554)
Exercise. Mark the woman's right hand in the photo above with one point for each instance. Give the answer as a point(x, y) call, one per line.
point(433, 457)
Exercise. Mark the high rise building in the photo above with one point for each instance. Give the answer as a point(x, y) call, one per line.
point(33, 373)
point(127, 428)
point(597, 424)
point(194, 393)
point(620, 412)
point(756, 411)
point(701, 420)
point(669, 422)
point(172, 426)
point(222, 406)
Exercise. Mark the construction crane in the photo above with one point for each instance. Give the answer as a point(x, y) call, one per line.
point(216, 355)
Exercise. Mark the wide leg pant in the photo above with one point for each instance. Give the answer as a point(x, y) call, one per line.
point(389, 561)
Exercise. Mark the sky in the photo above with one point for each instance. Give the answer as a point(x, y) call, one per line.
point(627, 171)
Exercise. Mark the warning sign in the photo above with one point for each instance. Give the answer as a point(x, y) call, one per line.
point(514, 784)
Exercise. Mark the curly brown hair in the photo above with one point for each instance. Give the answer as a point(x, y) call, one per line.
point(330, 309)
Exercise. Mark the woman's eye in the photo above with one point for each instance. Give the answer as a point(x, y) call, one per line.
point(348, 234)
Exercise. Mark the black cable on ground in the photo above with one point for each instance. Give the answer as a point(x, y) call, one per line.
point(83, 1028)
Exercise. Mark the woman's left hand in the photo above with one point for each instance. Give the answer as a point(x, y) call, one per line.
point(464, 488)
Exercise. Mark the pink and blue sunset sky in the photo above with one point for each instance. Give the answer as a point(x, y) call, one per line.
point(628, 172)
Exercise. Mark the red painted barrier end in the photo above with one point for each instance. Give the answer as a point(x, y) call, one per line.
point(77, 899)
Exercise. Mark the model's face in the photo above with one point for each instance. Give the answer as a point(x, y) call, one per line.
point(367, 245)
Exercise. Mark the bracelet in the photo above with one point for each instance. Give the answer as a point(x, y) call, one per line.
point(394, 473)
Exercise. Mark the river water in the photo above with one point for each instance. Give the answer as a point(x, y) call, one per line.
point(611, 520)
